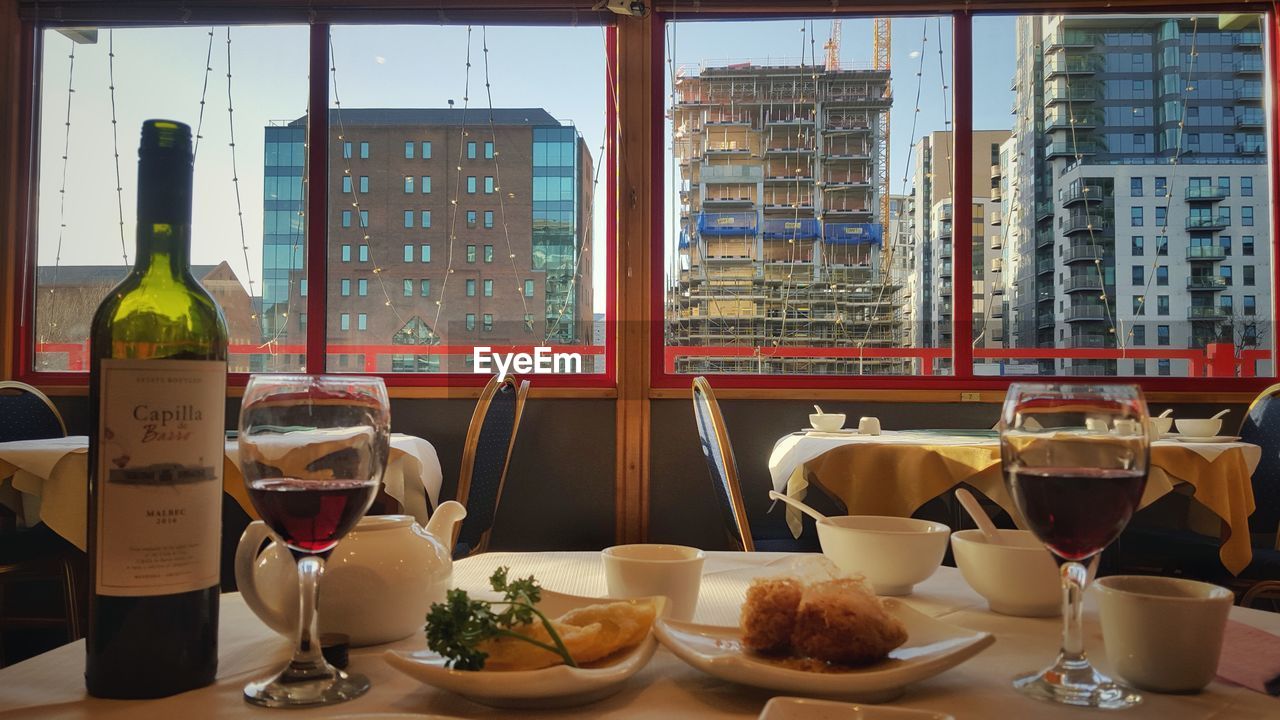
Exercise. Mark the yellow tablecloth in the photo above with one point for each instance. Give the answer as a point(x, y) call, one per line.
point(896, 473)
point(45, 480)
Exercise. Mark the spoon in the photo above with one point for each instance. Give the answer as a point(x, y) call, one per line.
point(1166, 413)
point(798, 505)
point(970, 504)
point(815, 407)
point(1220, 414)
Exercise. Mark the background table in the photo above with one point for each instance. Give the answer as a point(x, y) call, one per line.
point(896, 472)
point(47, 479)
point(52, 686)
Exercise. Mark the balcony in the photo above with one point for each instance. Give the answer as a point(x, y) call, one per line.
point(1078, 283)
point(1083, 253)
point(731, 149)
point(788, 150)
point(997, 242)
point(1211, 283)
point(730, 173)
point(845, 182)
point(1249, 65)
point(1248, 38)
point(1044, 238)
point(1207, 193)
point(1044, 320)
point(1200, 222)
point(945, 213)
point(1249, 92)
point(1074, 95)
point(1086, 312)
point(1072, 149)
point(1208, 313)
point(1084, 194)
point(1044, 209)
point(1086, 120)
point(1083, 223)
point(944, 251)
point(1073, 65)
point(1044, 266)
point(1064, 39)
point(1090, 340)
point(788, 121)
point(995, 217)
point(1250, 117)
point(1210, 253)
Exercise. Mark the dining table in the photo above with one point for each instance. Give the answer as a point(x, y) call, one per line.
point(52, 685)
point(47, 480)
point(896, 472)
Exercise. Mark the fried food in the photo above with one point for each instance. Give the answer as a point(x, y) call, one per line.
point(841, 621)
point(769, 614)
point(589, 633)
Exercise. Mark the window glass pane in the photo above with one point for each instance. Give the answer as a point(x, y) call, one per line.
point(537, 74)
point(799, 230)
point(1099, 104)
point(85, 230)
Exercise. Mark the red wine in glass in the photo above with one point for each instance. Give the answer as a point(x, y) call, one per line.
point(1077, 511)
point(311, 516)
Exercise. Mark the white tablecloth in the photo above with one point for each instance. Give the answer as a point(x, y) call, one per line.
point(49, 477)
point(51, 685)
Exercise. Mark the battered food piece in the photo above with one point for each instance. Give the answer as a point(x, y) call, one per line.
point(769, 614)
point(589, 633)
point(840, 621)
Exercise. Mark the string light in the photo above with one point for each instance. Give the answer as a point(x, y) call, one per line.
point(235, 175)
point(115, 141)
point(62, 190)
point(457, 186)
point(204, 90)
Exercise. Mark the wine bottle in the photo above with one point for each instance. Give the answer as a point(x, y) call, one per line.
point(157, 394)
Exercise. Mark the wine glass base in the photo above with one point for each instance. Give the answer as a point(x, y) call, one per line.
point(1077, 683)
point(311, 687)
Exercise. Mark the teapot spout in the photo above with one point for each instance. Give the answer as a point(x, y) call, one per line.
point(444, 520)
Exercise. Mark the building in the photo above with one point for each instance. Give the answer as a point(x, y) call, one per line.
point(423, 254)
point(1142, 189)
point(69, 295)
point(932, 207)
point(780, 227)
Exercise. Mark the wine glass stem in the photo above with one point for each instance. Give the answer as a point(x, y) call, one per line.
point(310, 568)
point(1074, 577)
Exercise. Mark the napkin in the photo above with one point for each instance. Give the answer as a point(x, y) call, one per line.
point(1250, 658)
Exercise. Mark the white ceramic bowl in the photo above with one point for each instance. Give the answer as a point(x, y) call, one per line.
point(1160, 426)
point(1198, 428)
point(1017, 578)
point(827, 421)
point(893, 553)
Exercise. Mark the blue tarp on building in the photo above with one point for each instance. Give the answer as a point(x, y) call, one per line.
point(684, 239)
point(853, 233)
point(739, 223)
point(796, 228)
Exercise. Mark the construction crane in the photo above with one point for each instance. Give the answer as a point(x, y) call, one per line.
point(882, 46)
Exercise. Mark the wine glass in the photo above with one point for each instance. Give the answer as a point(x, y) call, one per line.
point(312, 450)
point(1075, 461)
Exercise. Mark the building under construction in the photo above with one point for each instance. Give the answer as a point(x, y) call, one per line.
point(781, 209)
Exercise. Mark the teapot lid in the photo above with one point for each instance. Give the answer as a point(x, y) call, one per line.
point(372, 523)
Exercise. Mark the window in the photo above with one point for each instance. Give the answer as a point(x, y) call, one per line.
point(364, 253)
point(1246, 216)
point(471, 184)
point(488, 322)
point(364, 183)
point(345, 286)
point(1136, 245)
point(1162, 275)
point(346, 184)
point(346, 152)
point(488, 151)
point(1162, 216)
point(1163, 366)
point(408, 288)
point(471, 287)
point(1139, 335)
point(488, 253)
point(1135, 187)
point(1248, 278)
point(488, 288)
point(488, 184)
point(528, 288)
point(1161, 186)
point(344, 321)
point(426, 184)
point(424, 253)
point(364, 218)
point(471, 218)
point(1135, 216)
point(1225, 273)
point(425, 218)
point(408, 253)
point(346, 218)
point(408, 183)
point(408, 150)
point(471, 253)
point(1139, 367)
point(1162, 304)
point(1137, 273)
point(424, 288)
point(364, 151)
point(1162, 245)
point(1246, 245)
point(471, 321)
point(1246, 186)
point(346, 253)
point(471, 151)
point(362, 322)
point(488, 218)
point(1224, 242)
point(1162, 335)
point(1139, 304)
point(408, 218)
point(1250, 305)
point(362, 287)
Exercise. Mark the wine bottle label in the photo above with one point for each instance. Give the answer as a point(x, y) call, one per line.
point(159, 476)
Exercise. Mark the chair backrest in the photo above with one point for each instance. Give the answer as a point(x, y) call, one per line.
point(27, 414)
point(485, 457)
point(720, 463)
point(1261, 427)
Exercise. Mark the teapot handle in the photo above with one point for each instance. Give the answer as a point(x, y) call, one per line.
point(246, 559)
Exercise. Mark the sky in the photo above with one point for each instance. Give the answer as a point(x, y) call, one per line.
point(161, 73)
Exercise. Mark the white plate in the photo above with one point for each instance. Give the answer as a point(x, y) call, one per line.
point(791, 708)
point(932, 646)
point(1210, 439)
point(841, 431)
point(392, 716)
point(556, 686)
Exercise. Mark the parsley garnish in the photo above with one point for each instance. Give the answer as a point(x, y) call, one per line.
point(456, 627)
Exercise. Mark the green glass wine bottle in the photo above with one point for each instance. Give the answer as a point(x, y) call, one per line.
point(157, 392)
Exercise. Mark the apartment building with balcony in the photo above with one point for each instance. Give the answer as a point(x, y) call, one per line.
point(781, 228)
point(1142, 189)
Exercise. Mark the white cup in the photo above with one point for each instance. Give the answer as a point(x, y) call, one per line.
point(1163, 634)
point(674, 571)
point(869, 426)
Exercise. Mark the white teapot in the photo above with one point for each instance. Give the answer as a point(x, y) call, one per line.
point(378, 583)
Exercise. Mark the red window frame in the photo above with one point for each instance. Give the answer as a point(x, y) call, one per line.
point(962, 354)
point(317, 203)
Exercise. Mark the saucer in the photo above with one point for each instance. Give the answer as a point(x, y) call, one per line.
point(841, 431)
point(1210, 439)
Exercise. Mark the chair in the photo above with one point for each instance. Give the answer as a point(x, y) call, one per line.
point(36, 555)
point(485, 458)
point(724, 479)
